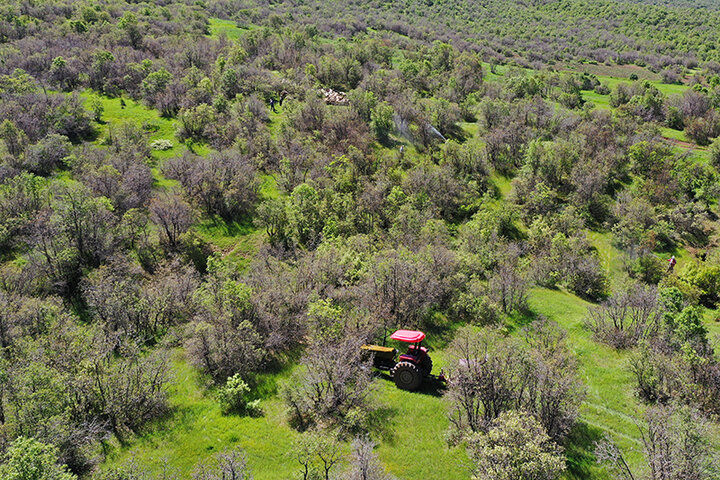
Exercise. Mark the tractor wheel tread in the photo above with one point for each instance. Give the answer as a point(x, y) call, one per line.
point(407, 376)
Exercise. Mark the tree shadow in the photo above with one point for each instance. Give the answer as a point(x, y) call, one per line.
point(430, 386)
point(580, 450)
point(230, 227)
point(380, 423)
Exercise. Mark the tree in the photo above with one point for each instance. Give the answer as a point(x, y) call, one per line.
point(490, 375)
point(126, 390)
point(627, 317)
point(382, 121)
point(223, 338)
point(224, 183)
point(29, 459)
point(318, 454)
point(304, 215)
point(516, 447)
point(715, 153)
point(129, 24)
point(228, 465)
point(676, 446)
point(334, 385)
point(364, 462)
point(80, 233)
point(174, 217)
point(48, 154)
point(509, 287)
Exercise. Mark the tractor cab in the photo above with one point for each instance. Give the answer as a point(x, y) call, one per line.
point(415, 352)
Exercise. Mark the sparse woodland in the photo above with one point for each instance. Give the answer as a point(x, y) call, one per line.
point(207, 208)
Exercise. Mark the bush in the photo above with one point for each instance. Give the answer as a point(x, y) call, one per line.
point(235, 396)
point(602, 89)
point(161, 144)
point(29, 459)
point(515, 447)
point(714, 151)
point(491, 374)
point(647, 268)
point(626, 318)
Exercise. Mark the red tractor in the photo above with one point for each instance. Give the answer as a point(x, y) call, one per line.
point(409, 369)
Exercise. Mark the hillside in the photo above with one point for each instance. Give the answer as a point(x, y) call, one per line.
point(207, 208)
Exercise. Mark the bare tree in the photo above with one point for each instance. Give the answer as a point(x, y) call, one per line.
point(491, 374)
point(676, 446)
point(508, 286)
point(224, 183)
point(333, 386)
point(364, 462)
point(228, 465)
point(129, 390)
point(627, 317)
point(174, 217)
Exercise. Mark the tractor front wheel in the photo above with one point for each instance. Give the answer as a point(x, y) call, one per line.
point(407, 376)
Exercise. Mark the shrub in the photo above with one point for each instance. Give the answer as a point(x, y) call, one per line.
point(714, 151)
point(161, 144)
point(647, 268)
point(515, 447)
point(602, 89)
point(234, 397)
point(490, 375)
point(626, 318)
point(29, 459)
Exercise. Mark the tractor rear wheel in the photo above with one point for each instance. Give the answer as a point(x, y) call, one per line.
point(407, 376)
point(426, 365)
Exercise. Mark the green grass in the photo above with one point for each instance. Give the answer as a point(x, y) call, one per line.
point(600, 101)
point(673, 134)
point(611, 404)
point(415, 446)
point(196, 429)
point(114, 115)
point(611, 258)
point(228, 28)
point(503, 184)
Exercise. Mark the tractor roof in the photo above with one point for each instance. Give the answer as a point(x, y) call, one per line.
point(410, 336)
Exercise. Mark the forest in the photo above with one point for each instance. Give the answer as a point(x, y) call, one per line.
point(208, 210)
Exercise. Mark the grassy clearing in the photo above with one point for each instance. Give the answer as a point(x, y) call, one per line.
point(119, 111)
point(229, 28)
point(673, 134)
point(600, 101)
point(115, 114)
point(196, 429)
point(611, 404)
point(502, 183)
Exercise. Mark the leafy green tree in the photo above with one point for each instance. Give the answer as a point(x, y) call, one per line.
point(515, 448)
point(155, 83)
point(15, 139)
point(715, 153)
point(29, 459)
point(129, 24)
point(305, 215)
